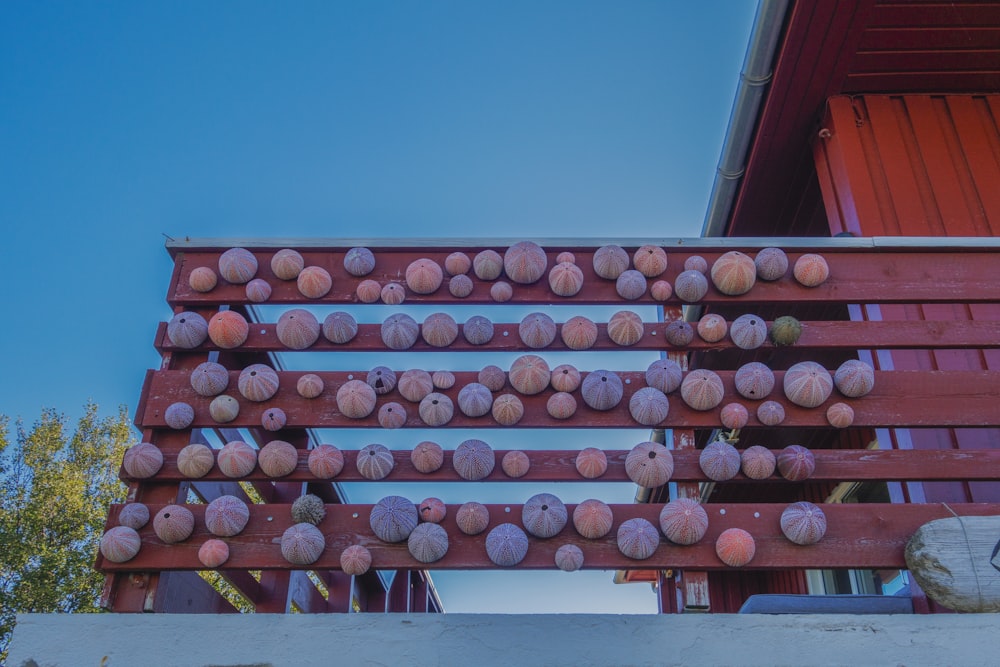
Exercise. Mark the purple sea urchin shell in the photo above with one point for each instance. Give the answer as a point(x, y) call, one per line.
point(696, 263)
point(649, 464)
point(359, 261)
point(428, 542)
point(648, 406)
point(515, 464)
point(610, 261)
point(120, 544)
point(473, 460)
point(297, 329)
point(209, 379)
point(460, 286)
point(393, 518)
point(436, 409)
point(719, 461)
point(134, 515)
point(734, 415)
point(237, 265)
point(770, 413)
point(487, 265)
point(506, 545)
point(754, 380)
point(258, 383)
point(637, 539)
point(492, 377)
point(178, 415)
point(475, 400)
point(142, 460)
point(543, 515)
point(683, 521)
point(273, 419)
point(477, 330)
point(771, 263)
point(415, 384)
point(382, 379)
point(602, 390)
point(340, 327)
point(807, 384)
point(854, 378)
point(427, 457)
point(803, 523)
point(399, 331)
point(664, 375)
point(569, 558)
point(796, 463)
point(748, 332)
point(758, 462)
point(375, 461)
point(630, 285)
point(302, 544)
point(537, 330)
point(691, 286)
point(501, 291)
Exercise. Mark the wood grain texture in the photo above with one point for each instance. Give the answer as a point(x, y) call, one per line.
point(956, 561)
point(900, 398)
point(858, 536)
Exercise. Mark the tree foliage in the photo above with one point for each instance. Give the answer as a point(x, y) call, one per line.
point(55, 488)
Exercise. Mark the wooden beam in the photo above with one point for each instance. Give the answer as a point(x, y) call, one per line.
point(858, 536)
point(900, 398)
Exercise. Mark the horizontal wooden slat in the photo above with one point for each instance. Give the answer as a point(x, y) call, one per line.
point(973, 60)
point(855, 277)
point(837, 465)
point(938, 37)
point(934, 14)
point(920, 82)
point(858, 536)
point(921, 334)
point(900, 398)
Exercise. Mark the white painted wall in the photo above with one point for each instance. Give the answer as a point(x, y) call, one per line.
point(162, 640)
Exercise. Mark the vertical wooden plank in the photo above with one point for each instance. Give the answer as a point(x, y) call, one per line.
point(849, 169)
point(977, 139)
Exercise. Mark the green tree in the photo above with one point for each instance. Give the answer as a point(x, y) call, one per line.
point(55, 488)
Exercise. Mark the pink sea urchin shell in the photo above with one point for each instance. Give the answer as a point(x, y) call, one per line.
point(602, 389)
point(735, 547)
point(507, 409)
point(569, 558)
point(393, 518)
point(278, 458)
point(691, 286)
point(796, 463)
point(679, 333)
point(424, 276)
point(325, 461)
point(436, 409)
point(473, 460)
point(648, 406)
point(610, 261)
point(226, 516)
point(807, 384)
point(209, 379)
point(340, 327)
point(258, 382)
point(578, 333)
point(719, 461)
point(202, 279)
point(195, 460)
point(355, 399)
point(515, 464)
point(427, 457)
point(854, 378)
point(286, 264)
point(475, 400)
point(637, 539)
point(237, 459)
point(661, 290)
point(359, 261)
point(428, 542)
point(537, 330)
point(355, 560)
point(309, 385)
point(472, 518)
point(565, 377)
point(525, 262)
point(650, 260)
point(258, 290)
point(439, 330)
point(457, 264)
point(415, 384)
point(702, 389)
point(625, 328)
point(432, 510)
point(770, 413)
point(696, 263)
point(712, 328)
point(142, 460)
point(302, 544)
point(565, 279)
point(734, 415)
point(771, 263)
point(758, 462)
point(370, 291)
point(173, 523)
point(487, 265)
point(297, 329)
point(314, 282)
point(803, 523)
point(237, 265)
point(506, 545)
point(529, 374)
point(754, 380)
point(664, 375)
point(566, 256)
point(591, 462)
point(561, 405)
point(543, 515)
point(375, 461)
point(120, 544)
point(840, 415)
point(811, 270)
point(443, 379)
point(187, 330)
point(593, 519)
point(734, 273)
point(683, 521)
point(382, 379)
point(213, 553)
point(228, 329)
point(649, 464)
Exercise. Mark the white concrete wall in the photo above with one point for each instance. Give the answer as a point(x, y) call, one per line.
point(162, 640)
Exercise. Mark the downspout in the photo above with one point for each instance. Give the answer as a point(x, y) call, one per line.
point(754, 77)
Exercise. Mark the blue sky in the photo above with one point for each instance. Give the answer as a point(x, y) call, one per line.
point(124, 121)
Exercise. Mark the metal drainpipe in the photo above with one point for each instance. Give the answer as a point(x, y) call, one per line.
point(754, 77)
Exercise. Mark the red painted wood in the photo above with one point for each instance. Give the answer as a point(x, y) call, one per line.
point(904, 39)
point(832, 465)
point(855, 277)
point(815, 335)
point(900, 398)
point(858, 536)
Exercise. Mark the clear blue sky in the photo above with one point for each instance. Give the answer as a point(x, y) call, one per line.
point(123, 121)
